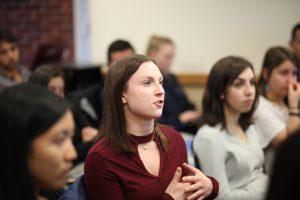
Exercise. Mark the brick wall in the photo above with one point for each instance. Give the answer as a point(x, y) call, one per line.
point(37, 22)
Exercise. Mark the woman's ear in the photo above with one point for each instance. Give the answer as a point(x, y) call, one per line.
point(222, 96)
point(124, 101)
point(265, 74)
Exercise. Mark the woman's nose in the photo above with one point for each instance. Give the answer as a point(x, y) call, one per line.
point(71, 153)
point(159, 89)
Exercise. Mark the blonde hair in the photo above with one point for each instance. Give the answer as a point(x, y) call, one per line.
point(155, 42)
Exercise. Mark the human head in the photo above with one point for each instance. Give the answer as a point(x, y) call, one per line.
point(51, 77)
point(119, 49)
point(113, 124)
point(37, 147)
point(162, 50)
point(284, 180)
point(9, 50)
point(221, 77)
point(295, 40)
point(274, 58)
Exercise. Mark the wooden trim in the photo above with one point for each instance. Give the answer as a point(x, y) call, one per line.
point(192, 79)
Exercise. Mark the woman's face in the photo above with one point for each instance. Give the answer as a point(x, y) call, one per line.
point(51, 155)
point(144, 95)
point(280, 78)
point(239, 96)
point(164, 57)
point(57, 86)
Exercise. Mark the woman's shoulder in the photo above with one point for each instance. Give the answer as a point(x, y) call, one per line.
point(169, 131)
point(100, 148)
point(264, 103)
point(209, 132)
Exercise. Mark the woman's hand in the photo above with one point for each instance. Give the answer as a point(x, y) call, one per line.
point(294, 94)
point(189, 116)
point(200, 185)
point(176, 188)
point(88, 134)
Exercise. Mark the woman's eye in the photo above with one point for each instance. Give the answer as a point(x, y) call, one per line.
point(238, 84)
point(147, 82)
point(60, 138)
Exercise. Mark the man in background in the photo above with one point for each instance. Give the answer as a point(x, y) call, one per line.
point(118, 49)
point(295, 41)
point(11, 72)
point(90, 100)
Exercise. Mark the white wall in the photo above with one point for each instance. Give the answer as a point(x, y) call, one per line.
point(203, 30)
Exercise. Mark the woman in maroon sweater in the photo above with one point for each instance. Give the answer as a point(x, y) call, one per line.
point(134, 158)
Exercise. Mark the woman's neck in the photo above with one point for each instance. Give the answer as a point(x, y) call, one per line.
point(271, 96)
point(232, 118)
point(140, 128)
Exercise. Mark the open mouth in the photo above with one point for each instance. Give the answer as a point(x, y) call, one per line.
point(159, 103)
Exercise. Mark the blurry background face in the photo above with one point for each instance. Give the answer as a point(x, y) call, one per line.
point(280, 78)
point(57, 86)
point(120, 54)
point(51, 155)
point(164, 57)
point(240, 94)
point(295, 44)
point(9, 55)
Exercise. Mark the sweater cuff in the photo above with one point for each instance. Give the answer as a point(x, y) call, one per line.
point(166, 196)
point(215, 190)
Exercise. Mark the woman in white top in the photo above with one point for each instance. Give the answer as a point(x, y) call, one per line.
point(227, 144)
point(277, 117)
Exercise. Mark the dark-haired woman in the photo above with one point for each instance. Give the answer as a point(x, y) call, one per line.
point(277, 117)
point(36, 134)
point(227, 144)
point(135, 158)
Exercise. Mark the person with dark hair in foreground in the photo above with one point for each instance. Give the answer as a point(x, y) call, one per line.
point(284, 181)
point(36, 150)
point(135, 158)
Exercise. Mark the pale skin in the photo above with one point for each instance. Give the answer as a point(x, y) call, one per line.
point(142, 103)
point(283, 82)
point(238, 99)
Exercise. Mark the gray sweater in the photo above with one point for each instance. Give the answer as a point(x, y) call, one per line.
point(237, 166)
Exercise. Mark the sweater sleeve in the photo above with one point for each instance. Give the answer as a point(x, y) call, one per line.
point(166, 196)
point(215, 191)
point(212, 157)
point(100, 183)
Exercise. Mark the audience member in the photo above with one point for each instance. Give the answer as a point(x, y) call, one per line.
point(227, 144)
point(118, 49)
point(295, 41)
point(284, 182)
point(11, 72)
point(277, 117)
point(135, 158)
point(36, 149)
point(51, 77)
point(178, 111)
point(90, 100)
